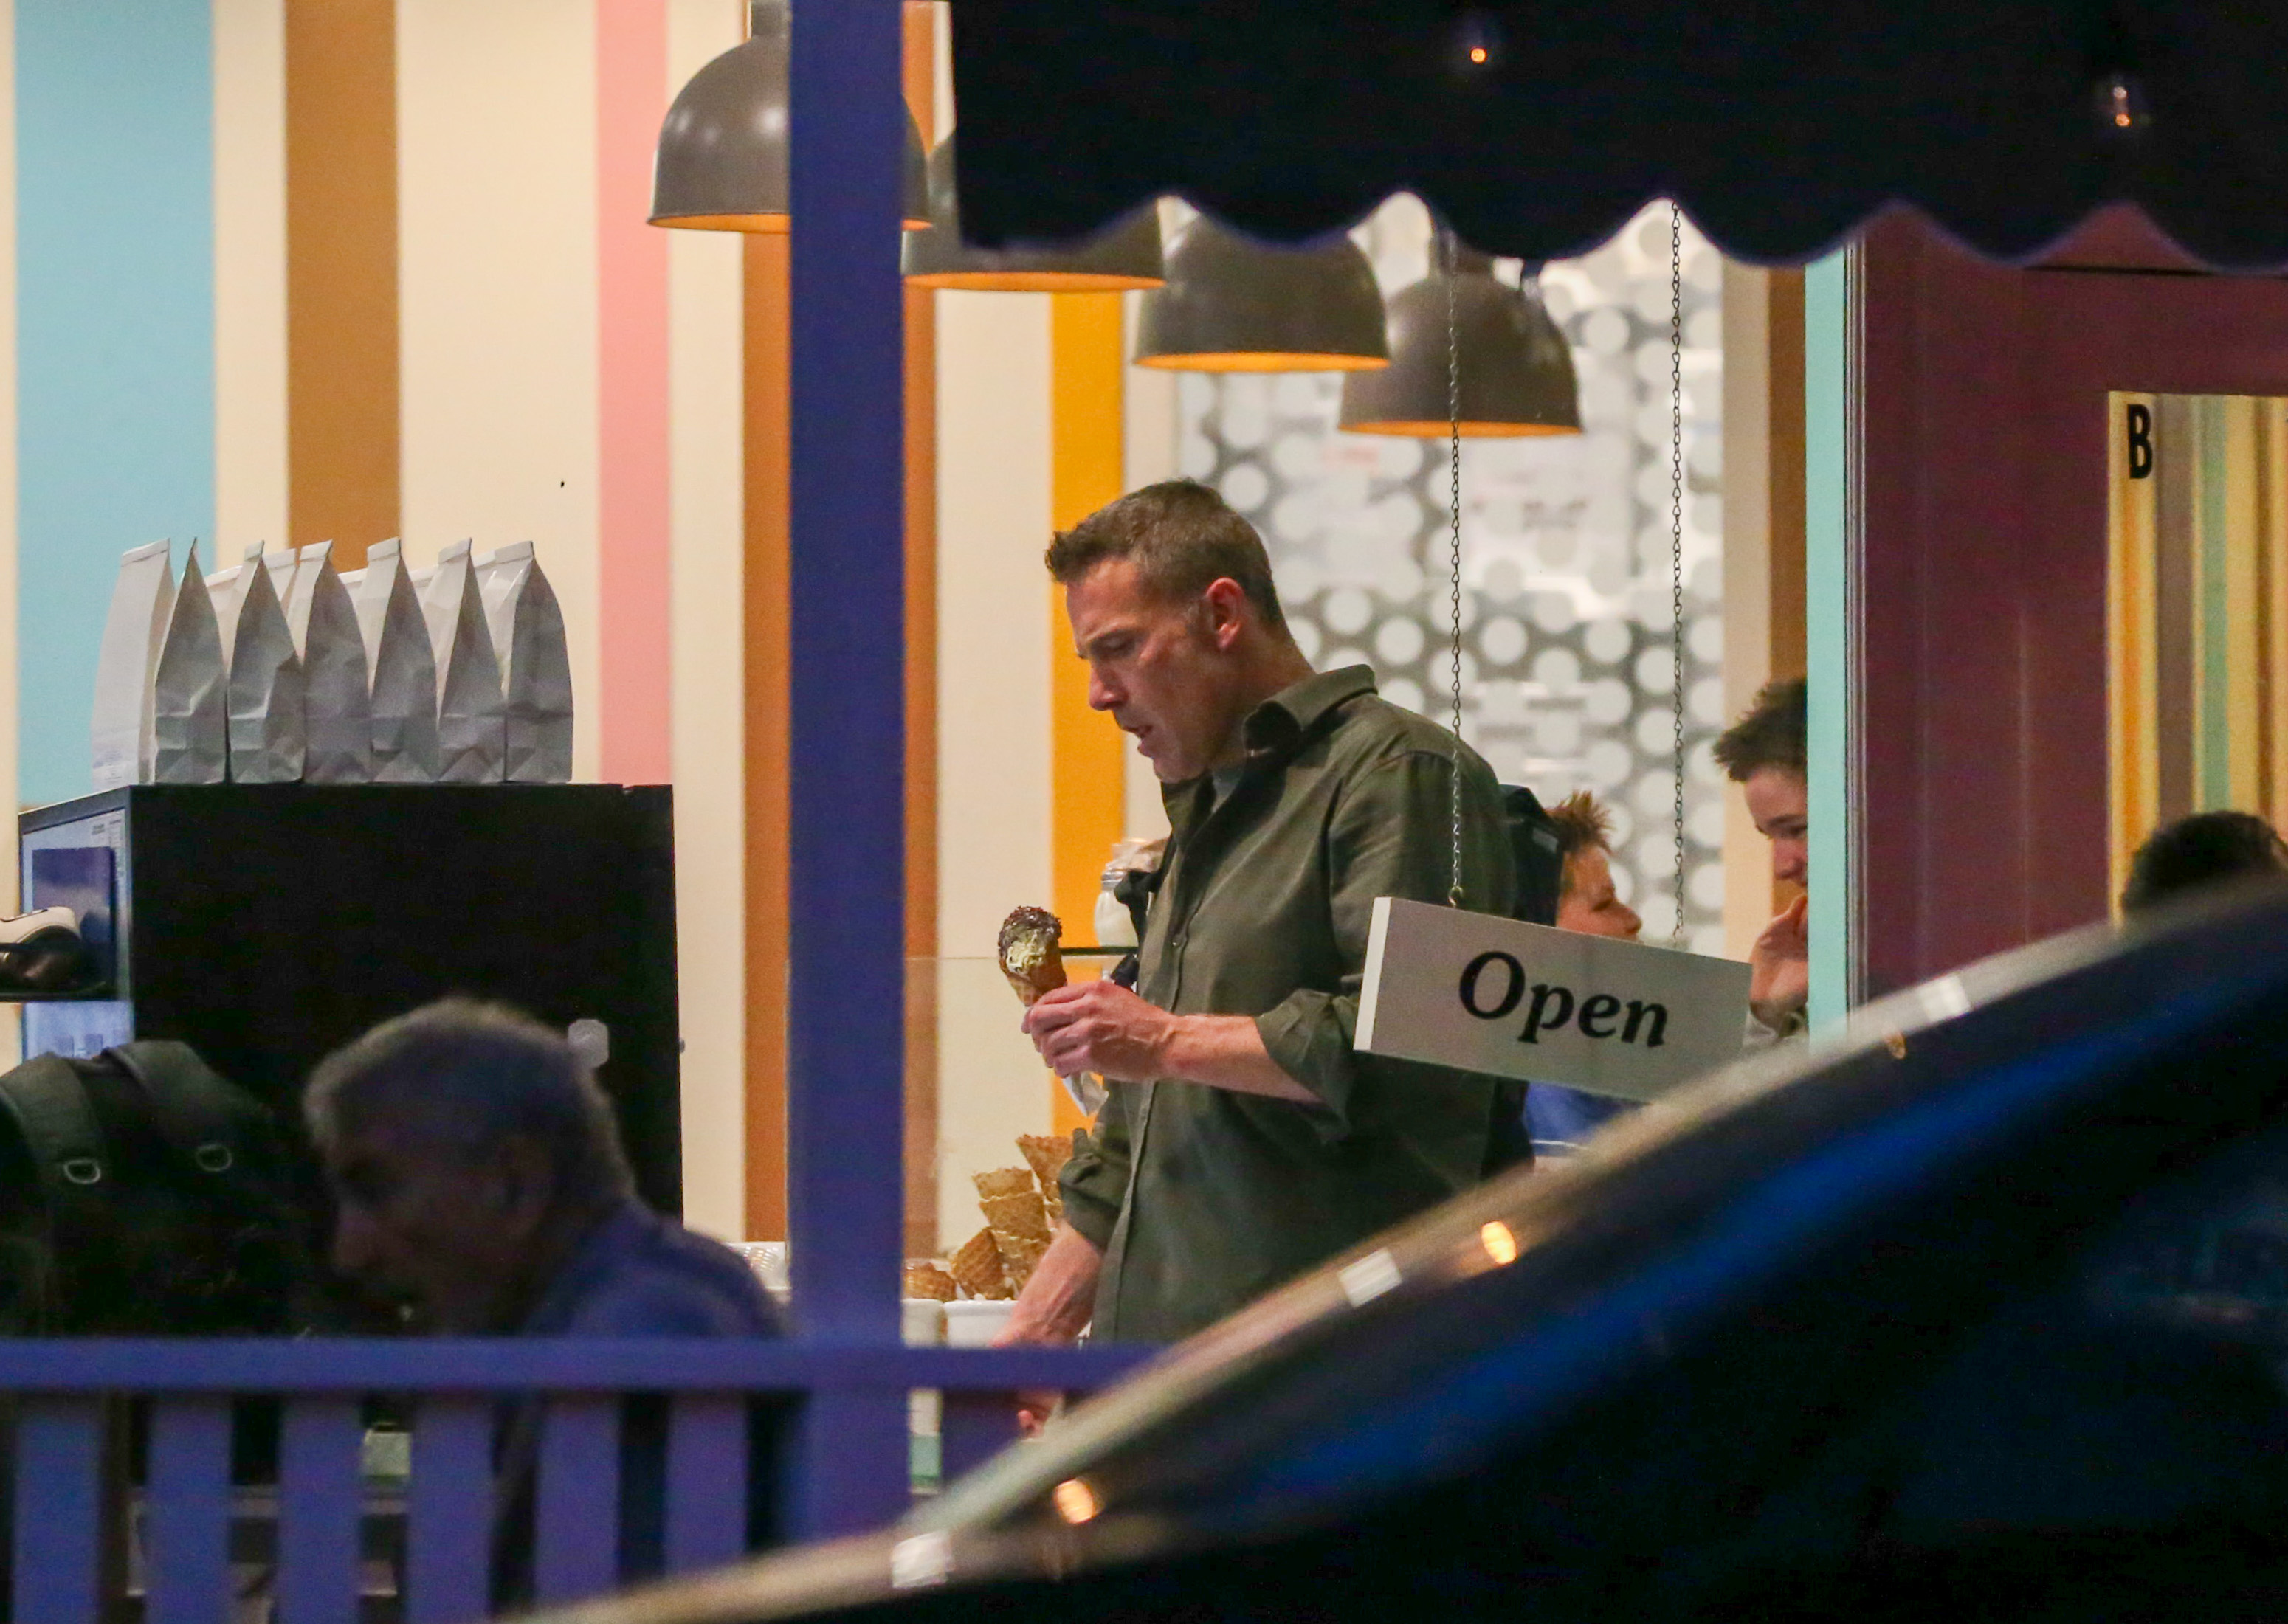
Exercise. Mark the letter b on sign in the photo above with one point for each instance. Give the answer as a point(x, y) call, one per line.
point(2139, 425)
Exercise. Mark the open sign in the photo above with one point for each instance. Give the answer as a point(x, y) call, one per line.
point(1486, 994)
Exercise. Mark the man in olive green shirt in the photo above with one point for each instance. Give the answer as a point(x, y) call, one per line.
point(1244, 1140)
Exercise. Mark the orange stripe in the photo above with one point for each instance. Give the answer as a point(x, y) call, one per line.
point(1085, 752)
point(765, 579)
point(920, 17)
point(341, 273)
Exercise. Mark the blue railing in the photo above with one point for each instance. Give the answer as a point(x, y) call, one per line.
point(84, 1536)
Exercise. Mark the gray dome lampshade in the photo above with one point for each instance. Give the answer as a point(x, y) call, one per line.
point(722, 165)
point(1234, 304)
point(1125, 254)
point(1516, 368)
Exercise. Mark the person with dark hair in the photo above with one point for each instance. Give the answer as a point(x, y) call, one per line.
point(477, 1173)
point(1558, 1119)
point(1763, 753)
point(1296, 799)
point(2200, 853)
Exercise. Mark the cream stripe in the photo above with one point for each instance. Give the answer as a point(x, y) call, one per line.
point(497, 142)
point(707, 540)
point(994, 829)
point(1150, 420)
point(249, 249)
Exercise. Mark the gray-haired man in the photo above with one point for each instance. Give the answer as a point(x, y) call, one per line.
point(476, 1173)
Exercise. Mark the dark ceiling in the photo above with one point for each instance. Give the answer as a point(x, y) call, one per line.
point(1781, 125)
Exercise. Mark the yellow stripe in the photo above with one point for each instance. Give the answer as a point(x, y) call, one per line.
point(2272, 607)
point(2243, 421)
point(1087, 773)
point(2133, 758)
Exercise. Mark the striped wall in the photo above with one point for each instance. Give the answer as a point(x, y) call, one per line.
point(290, 271)
point(707, 667)
point(302, 270)
point(115, 317)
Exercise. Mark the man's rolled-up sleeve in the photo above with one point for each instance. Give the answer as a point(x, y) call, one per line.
point(1095, 1178)
point(1391, 836)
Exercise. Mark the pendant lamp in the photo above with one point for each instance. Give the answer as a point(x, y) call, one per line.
point(1516, 369)
point(721, 163)
point(1125, 254)
point(1234, 304)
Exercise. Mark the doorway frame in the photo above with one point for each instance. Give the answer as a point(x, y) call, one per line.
point(1975, 638)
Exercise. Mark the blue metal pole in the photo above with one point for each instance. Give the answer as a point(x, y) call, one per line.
point(846, 1028)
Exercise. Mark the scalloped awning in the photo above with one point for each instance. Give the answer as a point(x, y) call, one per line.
point(1781, 125)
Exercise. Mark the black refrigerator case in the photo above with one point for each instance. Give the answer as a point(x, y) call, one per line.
point(267, 924)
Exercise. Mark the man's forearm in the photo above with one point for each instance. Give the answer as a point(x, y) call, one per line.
point(1226, 1052)
point(1058, 1302)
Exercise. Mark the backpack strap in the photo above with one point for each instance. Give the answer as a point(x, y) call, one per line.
point(226, 1142)
point(214, 1128)
point(48, 1103)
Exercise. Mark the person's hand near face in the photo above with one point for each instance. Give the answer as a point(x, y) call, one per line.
point(1779, 967)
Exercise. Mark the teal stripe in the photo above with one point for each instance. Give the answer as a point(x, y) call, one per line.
point(2212, 432)
point(114, 307)
point(1827, 641)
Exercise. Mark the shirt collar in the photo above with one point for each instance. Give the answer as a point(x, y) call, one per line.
point(1293, 712)
point(597, 1253)
point(1273, 728)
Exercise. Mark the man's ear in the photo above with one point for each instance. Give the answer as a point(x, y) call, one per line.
point(1226, 610)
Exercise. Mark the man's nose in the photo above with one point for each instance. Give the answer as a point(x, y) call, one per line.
point(1636, 922)
point(1101, 694)
point(1788, 860)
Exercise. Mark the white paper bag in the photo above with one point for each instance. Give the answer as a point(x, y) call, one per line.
point(337, 699)
point(404, 691)
point(528, 635)
point(471, 735)
point(190, 742)
point(133, 634)
point(265, 685)
point(228, 589)
point(283, 565)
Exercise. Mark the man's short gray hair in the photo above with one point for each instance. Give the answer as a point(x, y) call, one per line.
point(467, 1078)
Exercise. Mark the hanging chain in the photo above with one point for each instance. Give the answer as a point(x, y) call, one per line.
point(1676, 531)
point(1446, 243)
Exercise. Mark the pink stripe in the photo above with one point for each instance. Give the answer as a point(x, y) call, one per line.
point(632, 339)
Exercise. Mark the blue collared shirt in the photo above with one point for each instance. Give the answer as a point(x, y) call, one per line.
point(1561, 1119)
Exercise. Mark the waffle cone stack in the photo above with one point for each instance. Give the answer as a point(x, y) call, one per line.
point(976, 1268)
point(1023, 1208)
point(1046, 1154)
point(928, 1280)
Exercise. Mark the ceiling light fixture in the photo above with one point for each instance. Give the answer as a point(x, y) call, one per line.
point(1516, 368)
point(1234, 304)
point(721, 163)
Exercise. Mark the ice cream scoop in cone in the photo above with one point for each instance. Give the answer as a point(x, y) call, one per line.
point(1029, 954)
